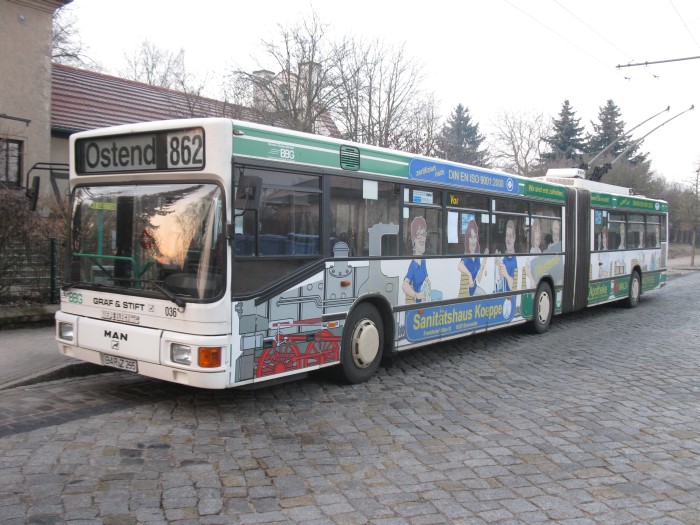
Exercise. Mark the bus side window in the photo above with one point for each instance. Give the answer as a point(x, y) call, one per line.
point(356, 206)
point(636, 231)
point(652, 237)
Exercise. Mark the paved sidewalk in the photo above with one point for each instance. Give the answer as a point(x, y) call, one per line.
point(29, 354)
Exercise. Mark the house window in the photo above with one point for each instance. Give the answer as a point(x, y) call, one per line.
point(10, 162)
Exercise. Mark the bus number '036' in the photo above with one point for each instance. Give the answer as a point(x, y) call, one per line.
point(170, 312)
point(186, 150)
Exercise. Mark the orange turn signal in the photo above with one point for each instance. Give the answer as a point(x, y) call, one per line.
point(345, 284)
point(209, 357)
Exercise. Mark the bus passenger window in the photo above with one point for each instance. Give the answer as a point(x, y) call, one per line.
point(287, 219)
point(617, 234)
point(508, 229)
point(355, 211)
point(600, 230)
point(537, 242)
point(635, 230)
point(467, 232)
point(653, 232)
point(552, 235)
point(467, 223)
point(423, 232)
point(547, 220)
point(508, 235)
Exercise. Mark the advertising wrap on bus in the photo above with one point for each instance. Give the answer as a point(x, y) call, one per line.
point(440, 171)
point(432, 323)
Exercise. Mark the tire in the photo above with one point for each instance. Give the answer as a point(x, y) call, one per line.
point(543, 308)
point(363, 342)
point(635, 290)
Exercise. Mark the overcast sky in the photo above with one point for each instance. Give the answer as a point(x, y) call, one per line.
point(489, 55)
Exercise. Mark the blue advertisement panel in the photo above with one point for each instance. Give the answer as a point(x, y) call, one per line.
point(435, 171)
point(444, 321)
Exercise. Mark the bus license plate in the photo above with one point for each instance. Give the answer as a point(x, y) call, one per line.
point(121, 363)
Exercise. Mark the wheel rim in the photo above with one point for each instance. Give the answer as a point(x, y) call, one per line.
point(365, 343)
point(635, 289)
point(544, 305)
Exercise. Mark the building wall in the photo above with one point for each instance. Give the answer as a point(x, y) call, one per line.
point(59, 150)
point(25, 70)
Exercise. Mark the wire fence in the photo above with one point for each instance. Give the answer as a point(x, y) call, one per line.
point(29, 271)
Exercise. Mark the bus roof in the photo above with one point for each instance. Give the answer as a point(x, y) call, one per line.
point(266, 142)
point(260, 141)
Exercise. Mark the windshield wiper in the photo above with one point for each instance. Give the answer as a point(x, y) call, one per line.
point(179, 301)
point(66, 286)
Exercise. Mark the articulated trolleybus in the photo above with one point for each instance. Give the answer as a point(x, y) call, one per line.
point(217, 253)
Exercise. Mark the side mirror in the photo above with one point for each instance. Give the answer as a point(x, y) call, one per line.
point(248, 193)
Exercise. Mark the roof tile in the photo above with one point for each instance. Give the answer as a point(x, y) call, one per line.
point(83, 100)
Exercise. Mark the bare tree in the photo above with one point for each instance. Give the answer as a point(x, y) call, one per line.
point(160, 67)
point(303, 89)
point(381, 93)
point(153, 65)
point(420, 134)
point(236, 94)
point(66, 46)
point(192, 87)
point(518, 142)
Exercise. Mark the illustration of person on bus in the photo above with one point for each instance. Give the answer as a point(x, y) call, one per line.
point(509, 263)
point(536, 246)
point(602, 239)
point(472, 266)
point(416, 284)
point(555, 245)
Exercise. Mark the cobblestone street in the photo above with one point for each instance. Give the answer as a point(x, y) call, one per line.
point(595, 422)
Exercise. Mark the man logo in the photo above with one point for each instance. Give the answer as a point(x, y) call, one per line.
point(116, 336)
point(115, 345)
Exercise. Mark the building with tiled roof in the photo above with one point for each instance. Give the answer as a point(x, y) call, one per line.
point(83, 100)
point(42, 104)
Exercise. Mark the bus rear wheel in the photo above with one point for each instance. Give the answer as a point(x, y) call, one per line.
point(543, 308)
point(635, 290)
point(363, 341)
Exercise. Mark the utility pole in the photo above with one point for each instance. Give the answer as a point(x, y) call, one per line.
point(696, 215)
point(620, 66)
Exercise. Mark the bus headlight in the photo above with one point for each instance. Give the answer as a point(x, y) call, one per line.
point(181, 354)
point(65, 331)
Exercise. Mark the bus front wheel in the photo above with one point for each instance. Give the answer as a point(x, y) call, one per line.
point(543, 308)
point(363, 340)
point(635, 290)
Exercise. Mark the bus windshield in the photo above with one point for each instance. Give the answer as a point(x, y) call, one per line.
point(149, 238)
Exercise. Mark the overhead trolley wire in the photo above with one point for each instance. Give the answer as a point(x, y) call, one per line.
point(684, 24)
point(556, 33)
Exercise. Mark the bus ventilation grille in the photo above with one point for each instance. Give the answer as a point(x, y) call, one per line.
point(349, 158)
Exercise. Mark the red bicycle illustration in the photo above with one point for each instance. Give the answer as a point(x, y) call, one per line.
point(285, 353)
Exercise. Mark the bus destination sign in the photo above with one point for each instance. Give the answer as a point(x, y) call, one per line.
point(160, 151)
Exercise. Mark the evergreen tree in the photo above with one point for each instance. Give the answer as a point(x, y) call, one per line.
point(610, 127)
point(566, 141)
point(460, 140)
